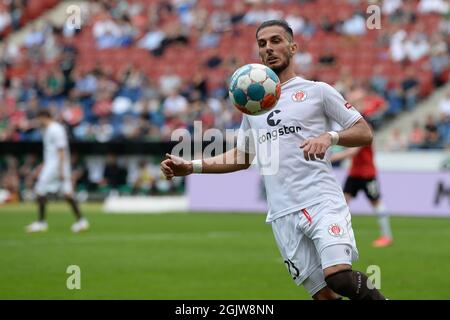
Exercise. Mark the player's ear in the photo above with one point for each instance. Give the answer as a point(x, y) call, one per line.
point(293, 48)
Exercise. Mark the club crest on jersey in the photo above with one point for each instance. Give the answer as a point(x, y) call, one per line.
point(335, 230)
point(299, 96)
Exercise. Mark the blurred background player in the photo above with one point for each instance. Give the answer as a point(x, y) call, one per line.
point(363, 176)
point(55, 174)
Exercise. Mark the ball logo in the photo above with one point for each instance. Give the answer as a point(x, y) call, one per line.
point(335, 230)
point(272, 122)
point(299, 96)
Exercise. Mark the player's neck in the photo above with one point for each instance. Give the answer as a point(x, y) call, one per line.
point(286, 75)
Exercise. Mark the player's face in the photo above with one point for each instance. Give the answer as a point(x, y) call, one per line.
point(275, 48)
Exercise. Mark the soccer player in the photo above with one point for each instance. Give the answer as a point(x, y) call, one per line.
point(363, 176)
point(307, 210)
point(55, 173)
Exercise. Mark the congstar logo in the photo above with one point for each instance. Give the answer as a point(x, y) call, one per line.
point(273, 120)
point(270, 118)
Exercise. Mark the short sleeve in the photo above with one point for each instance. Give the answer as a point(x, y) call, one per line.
point(245, 139)
point(337, 108)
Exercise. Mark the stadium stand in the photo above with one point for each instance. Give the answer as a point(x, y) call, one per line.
point(137, 70)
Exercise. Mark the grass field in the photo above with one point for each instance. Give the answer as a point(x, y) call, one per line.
point(198, 256)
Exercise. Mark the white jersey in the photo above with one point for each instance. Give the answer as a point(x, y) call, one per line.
point(55, 138)
point(305, 110)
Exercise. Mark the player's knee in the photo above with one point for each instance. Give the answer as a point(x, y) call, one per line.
point(339, 281)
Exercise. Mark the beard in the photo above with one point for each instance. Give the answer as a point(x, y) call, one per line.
point(281, 67)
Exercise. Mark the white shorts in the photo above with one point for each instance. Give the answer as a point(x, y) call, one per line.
point(49, 182)
point(313, 239)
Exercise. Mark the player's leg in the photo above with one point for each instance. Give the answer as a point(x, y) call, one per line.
point(41, 199)
point(81, 223)
point(300, 256)
point(372, 192)
point(353, 284)
point(351, 188)
point(70, 199)
point(332, 234)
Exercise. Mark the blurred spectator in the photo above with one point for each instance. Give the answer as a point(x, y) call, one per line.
point(303, 61)
point(107, 33)
point(79, 171)
point(145, 181)
point(327, 58)
point(391, 6)
point(355, 25)
point(175, 105)
point(114, 176)
point(439, 60)
point(214, 60)
point(259, 12)
point(103, 106)
point(169, 81)
point(417, 136)
point(416, 46)
point(396, 141)
point(397, 45)
point(410, 88)
point(430, 6)
point(103, 131)
point(5, 18)
point(444, 129)
point(152, 40)
point(444, 104)
point(326, 25)
point(209, 38)
point(432, 139)
point(9, 180)
point(28, 172)
point(379, 81)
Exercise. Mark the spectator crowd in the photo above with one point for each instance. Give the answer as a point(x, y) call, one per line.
point(102, 101)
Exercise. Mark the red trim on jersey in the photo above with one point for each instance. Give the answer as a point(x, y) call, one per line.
point(307, 216)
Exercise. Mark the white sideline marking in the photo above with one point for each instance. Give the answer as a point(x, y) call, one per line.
point(78, 239)
point(149, 204)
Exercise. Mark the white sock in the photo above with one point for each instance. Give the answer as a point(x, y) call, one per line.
point(383, 220)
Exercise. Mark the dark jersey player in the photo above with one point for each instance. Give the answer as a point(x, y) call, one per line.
point(363, 177)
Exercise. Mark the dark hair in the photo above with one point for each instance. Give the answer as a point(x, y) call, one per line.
point(44, 113)
point(280, 22)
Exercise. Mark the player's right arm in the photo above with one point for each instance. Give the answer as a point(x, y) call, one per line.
point(230, 161)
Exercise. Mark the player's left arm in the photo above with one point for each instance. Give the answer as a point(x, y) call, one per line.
point(357, 135)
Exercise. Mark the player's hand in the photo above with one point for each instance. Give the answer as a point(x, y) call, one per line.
point(174, 166)
point(317, 147)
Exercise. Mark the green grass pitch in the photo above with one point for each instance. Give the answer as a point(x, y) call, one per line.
point(198, 256)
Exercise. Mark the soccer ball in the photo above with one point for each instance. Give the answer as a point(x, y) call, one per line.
point(254, 89)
